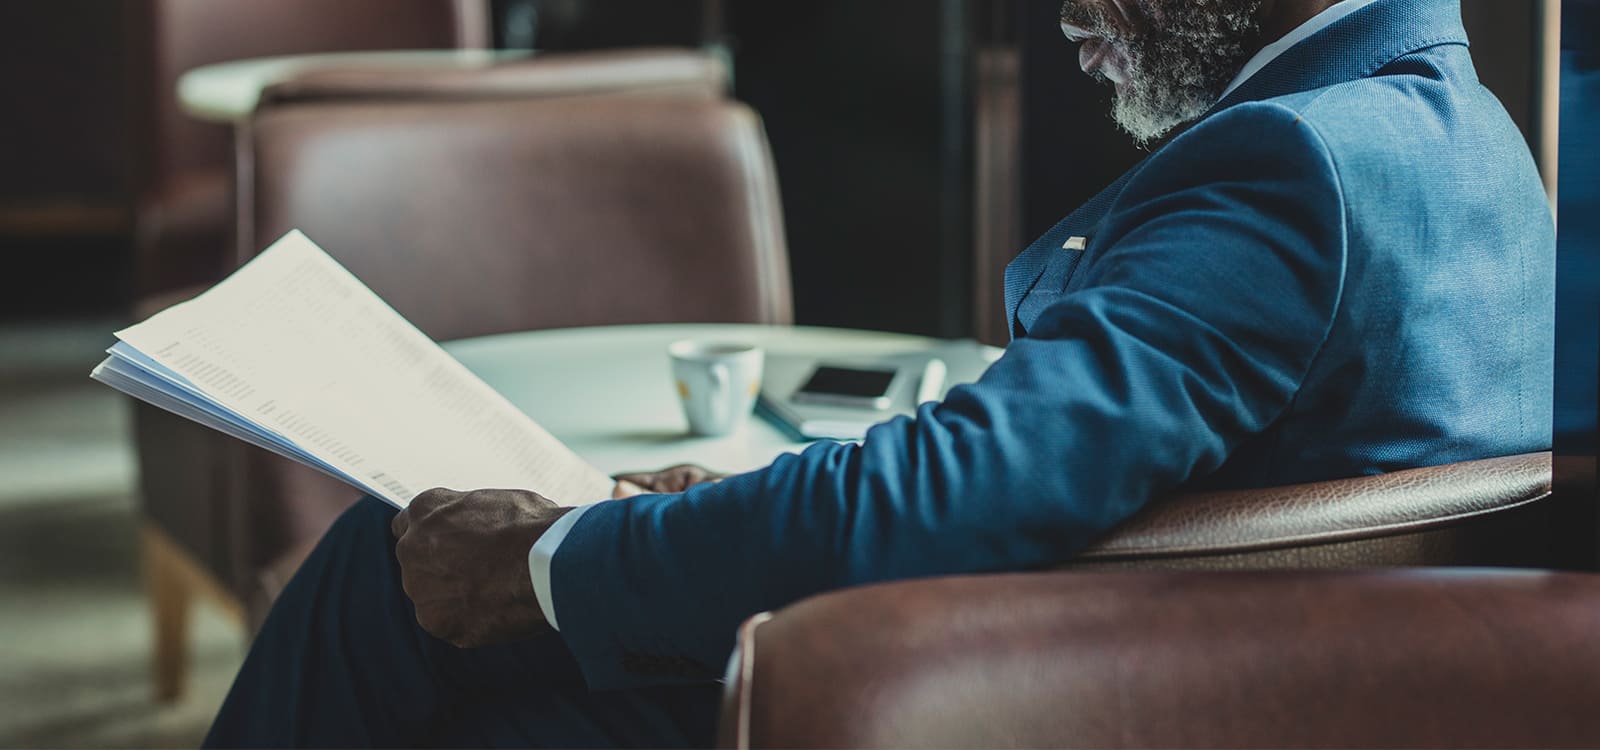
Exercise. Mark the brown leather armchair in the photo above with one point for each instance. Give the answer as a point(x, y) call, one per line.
point(564, 191)
point(1104, 655)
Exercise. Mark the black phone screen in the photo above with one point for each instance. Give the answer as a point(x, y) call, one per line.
point(848, 381)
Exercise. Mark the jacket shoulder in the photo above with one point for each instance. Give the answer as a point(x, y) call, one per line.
point(1248, 142)
point(1406, 115)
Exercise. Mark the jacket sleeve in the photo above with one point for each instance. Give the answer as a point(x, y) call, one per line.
point(1217, 275)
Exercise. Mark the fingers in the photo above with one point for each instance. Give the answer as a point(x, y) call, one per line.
point(625, 489)
point(640, 479)
point(673, 479)
point(688, 475)
point(401, 522)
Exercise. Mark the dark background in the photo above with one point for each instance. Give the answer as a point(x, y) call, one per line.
point(884, 116)
point(919, 145)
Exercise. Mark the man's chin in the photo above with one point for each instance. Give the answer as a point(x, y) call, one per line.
point(1142, 122)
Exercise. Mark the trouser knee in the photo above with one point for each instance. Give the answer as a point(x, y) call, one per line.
point(368, 516)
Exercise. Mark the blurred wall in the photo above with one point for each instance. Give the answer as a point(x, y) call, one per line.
point(868, 110)
point(1578, 214)
point(1578, 271)
point(62, 77)
point(65, 210)
point(595, 24)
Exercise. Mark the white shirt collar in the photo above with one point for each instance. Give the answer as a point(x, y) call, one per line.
point(1301, 33)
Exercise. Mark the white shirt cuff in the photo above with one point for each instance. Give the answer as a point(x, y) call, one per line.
point(542, 553)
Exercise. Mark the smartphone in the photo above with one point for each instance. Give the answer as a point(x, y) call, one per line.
point(863, 388)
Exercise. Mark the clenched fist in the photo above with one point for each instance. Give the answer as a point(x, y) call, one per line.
point(464, 562)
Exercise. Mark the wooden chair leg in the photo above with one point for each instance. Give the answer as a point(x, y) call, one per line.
point(171, 599)
point(175, 581)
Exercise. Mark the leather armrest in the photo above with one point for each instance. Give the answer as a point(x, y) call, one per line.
point(1431, 658)
point(660, 72)
point(1438, 515)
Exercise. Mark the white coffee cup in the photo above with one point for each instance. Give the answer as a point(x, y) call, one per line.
point(717, 382)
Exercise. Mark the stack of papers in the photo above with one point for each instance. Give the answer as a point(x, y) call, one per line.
point(295, 355)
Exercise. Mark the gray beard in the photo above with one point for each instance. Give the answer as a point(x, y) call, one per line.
point(1180, 66)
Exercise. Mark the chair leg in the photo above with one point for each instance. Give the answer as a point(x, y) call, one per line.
point(171, 599)
point(175, 583)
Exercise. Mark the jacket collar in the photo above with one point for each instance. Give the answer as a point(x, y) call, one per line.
point(1352, 48)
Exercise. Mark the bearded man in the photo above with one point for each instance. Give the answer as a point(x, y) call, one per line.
point(1337, 260)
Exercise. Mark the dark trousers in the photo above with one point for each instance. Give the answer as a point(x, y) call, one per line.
point(341, 662)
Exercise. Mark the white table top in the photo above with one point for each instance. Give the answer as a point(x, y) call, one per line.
point(227, 92)
point(607, 392)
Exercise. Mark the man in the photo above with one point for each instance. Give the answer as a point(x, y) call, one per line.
point(1336, 261)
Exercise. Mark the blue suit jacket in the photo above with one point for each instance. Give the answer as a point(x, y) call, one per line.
point(1345, 268)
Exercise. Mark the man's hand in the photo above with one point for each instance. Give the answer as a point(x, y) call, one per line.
point(464, 562)
point(675, 479)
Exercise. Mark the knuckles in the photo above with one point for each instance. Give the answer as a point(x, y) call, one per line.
point(440, 499)
point(433, 499)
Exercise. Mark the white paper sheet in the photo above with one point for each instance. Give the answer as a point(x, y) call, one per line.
point(294, 348)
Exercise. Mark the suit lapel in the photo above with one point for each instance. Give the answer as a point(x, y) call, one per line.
point(1027, 269)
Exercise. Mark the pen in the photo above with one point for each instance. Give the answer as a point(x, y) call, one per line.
point(932, 381)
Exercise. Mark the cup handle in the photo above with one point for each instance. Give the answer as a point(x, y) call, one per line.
point(719, 389)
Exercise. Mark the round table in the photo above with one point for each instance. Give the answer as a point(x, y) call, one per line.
point(227, 92)
point(607, 392)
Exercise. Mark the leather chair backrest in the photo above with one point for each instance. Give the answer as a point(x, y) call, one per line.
point(175, 36)
point(474, 215)
point(480, 216)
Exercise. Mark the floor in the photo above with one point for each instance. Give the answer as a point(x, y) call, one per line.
point(74, 627)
